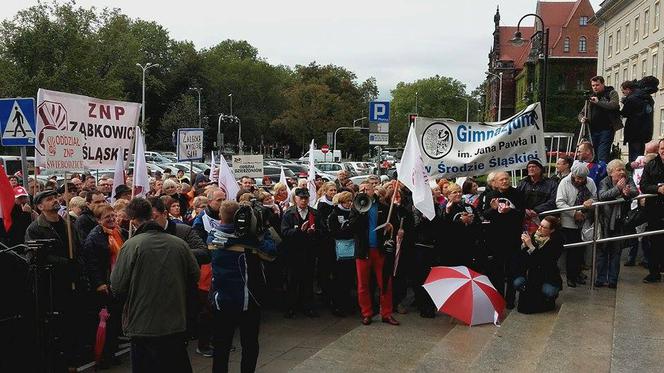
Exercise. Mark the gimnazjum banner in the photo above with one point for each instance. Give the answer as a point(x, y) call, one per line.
point(107, 126)
point(454, 149)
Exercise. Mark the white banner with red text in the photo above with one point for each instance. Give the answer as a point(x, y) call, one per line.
point(107, 126)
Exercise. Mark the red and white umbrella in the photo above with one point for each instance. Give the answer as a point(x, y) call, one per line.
point(464, 294)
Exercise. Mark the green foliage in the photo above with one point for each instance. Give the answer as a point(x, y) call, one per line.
point(437, 97)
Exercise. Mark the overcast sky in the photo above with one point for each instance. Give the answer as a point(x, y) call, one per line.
point(390, 40)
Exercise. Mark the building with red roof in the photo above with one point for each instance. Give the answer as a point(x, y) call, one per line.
point(572, 62)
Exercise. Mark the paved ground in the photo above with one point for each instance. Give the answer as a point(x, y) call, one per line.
point(590, 331)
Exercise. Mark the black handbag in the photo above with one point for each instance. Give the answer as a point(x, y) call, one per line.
point(634, 218)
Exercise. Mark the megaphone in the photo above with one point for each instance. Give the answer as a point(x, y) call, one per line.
point(362, 202)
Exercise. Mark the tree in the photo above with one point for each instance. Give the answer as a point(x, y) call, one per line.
point(437, 97)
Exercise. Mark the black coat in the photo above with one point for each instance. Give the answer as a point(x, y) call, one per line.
point(97, 256)
point(21, 220)
point(191, 237)
point(338, 224)
point(461, 246)
point(84, 224)
point(638, 109)
point(505, 229)
point(542, 265)
point(653, 174)
point(299, 245)
point(539, 196)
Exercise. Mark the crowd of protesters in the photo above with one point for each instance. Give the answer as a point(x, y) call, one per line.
point(184, 272)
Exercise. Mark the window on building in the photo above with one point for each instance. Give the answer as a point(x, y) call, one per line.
point(646, 22)
point(616, 78)
point(608, 78)
point(636, 29)
point(566, 45)
point(634, 71)
point(655, 26)
point(661, 121)
point(583, 21)
point(654, 65)
point(627, 40)
point(625, 76)
point(644, 68)
point(610, 46)
point(583, 44)
point(618, 41)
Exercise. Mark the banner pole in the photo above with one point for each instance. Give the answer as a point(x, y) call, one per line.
point(70, 242)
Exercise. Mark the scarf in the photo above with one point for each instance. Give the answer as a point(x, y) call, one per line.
point(540, 240)
point(115, 242)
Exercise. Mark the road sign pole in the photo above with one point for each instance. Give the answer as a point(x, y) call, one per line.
point(24, 166)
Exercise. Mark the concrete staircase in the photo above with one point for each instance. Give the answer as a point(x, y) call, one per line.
point(590, 331)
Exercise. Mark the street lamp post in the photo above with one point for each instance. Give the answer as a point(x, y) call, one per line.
point(358, 120)
point(197, 89)
point(467, 107)
point(500, 93)
point(343, 128)
point(239, 128)
point(145, 69)
point(518, 40)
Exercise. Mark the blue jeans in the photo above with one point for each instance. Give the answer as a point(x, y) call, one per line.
point(548, 290)
point(608, 263)
point(602, 141)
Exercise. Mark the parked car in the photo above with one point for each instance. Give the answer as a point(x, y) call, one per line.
point(360, 168)
point(274, 173)
point(335, 168)
point(357, 180)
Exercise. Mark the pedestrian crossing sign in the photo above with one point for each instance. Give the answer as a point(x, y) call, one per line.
point(17, 121)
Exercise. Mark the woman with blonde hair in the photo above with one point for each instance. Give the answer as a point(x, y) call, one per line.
point(343, 270)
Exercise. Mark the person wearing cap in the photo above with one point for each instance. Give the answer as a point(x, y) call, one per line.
point(122, 192)
point(575, 189)
point(505, 212)
point(22, 216)
point(300, 230)
point(540, 191)
point(66, 270)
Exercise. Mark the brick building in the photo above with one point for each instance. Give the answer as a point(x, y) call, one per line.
point(572, 62)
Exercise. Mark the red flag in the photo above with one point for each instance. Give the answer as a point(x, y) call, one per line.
point(6, 199)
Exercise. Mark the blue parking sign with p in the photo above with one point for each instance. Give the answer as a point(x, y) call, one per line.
point(379, 111)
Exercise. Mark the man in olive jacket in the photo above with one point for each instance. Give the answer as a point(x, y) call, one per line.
point(154, 273)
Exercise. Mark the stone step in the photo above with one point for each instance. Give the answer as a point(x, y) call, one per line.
point(517, 344)
point(582, 336)
point(638, 332)
point(380, 347)
point(460, 347)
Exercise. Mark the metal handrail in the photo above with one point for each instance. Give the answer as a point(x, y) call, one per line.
point(596, 238)
point(597, 203)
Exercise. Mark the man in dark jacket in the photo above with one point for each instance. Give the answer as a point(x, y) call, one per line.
point(652, 182)
point(209, 218)
point(603, 116)
point(505, 213)
point(300, 229)
point(154, 273)
point(237, 288)
point(638, 110)
point(66, 269)
point(539, 190)
point(86, 221)
point(371, 253)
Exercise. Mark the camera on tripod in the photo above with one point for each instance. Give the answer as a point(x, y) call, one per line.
point(587, 95)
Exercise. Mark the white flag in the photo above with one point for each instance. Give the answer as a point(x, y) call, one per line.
point(311, 179)
point(227, 180)
point(413, 175)
point(213, 173)
point(141, 180)
point(282, 179)
point(119, 174)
